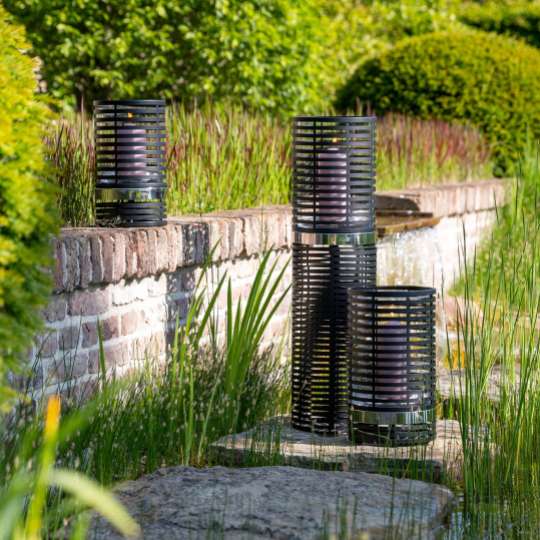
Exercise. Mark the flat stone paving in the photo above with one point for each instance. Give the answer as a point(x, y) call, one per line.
point(276, 442)
point(284, 503)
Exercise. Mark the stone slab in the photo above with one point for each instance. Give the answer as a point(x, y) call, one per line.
point(277, 442)
point(280, 503)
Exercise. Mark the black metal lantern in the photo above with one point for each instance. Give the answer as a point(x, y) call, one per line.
point(392, 365)
point(334, 247)
point(130, 162)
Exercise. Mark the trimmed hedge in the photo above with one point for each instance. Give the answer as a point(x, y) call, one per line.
point(484, 79)
point(26, 202)
point(520, 21)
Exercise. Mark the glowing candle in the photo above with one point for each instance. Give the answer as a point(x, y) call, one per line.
point(332, 178)
point(138, 135)
point(391, 363)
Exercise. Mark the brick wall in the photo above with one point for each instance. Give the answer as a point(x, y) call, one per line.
point(138, 281)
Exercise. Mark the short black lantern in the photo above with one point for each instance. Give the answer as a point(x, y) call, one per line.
point(392, 365)
point(334, 247)
point(130, 162)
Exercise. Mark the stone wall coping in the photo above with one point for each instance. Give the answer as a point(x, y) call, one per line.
point(445, 200)
point(86, 256)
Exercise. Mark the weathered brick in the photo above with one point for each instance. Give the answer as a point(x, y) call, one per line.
point(47, 345)
point(131, 254)
point(90, 302)
point(85, 261)
point(130, 322)
point(177, 306)
point(56, 309)
point(151, 252)
point(107, 250)
point(172, 247)
point(162, 250)
point(236, 237)
point(89, 334)
point(70, 367)
point(68, 338)
point(116, 355)
point(97, 259)
point(59, 264)
point(119, 257)
point(72, 268)
point(253, 233)
point(142, 254)
point(157, 285)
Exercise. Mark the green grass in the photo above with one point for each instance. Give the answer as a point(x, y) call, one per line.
point(223, 158)
point(512, 247)
point(501, 472)
point(166, 414)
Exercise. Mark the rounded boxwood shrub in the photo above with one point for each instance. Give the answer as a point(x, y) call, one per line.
point(26, 215)
point(520, 21)
point(488, 80)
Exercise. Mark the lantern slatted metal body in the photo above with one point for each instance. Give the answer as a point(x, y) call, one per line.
point(130, 162)
point(392, 365)
point(334, 248)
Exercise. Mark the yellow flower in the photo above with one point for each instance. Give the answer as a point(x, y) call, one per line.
point(52, 418)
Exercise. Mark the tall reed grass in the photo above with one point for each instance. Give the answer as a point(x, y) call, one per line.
point(223, 158)
point(167, 414)
point(501, 470)
point(413, 152)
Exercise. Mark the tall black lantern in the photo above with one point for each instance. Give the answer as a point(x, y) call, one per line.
point(334, 248)
point(392, 365)
point(130, 162)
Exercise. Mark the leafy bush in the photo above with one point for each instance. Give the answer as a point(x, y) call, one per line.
point(490, 81)
point(519, 20)
point(263, 53)
point(279, 55)
point(26, 218)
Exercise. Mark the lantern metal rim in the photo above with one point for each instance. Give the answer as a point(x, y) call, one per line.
point(133, 194)
point(331, 118)
point(366, 238)
point(129, 102)
point(393, 291)
point(401, 418)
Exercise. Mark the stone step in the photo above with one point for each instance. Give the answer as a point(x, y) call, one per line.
point(276, 442)
point(279, 502)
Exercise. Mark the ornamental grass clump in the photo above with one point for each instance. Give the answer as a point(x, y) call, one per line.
point(222, 158)
point(499, 328)
point(167, 414)
point(413, 152)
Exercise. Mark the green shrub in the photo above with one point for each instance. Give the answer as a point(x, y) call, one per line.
point(520, 20)
point(490, 81)
point(264, 53)
point(25, 205)
point(278, 55)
